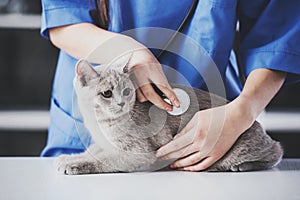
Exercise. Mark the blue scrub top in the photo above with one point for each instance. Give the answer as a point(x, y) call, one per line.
point(269, 38)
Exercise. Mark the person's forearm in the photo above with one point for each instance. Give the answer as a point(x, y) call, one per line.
point(79, 40)
point(87, 41)
point(260, 87)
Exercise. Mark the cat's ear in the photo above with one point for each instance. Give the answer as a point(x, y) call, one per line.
point(122, 63)
point(85, 72)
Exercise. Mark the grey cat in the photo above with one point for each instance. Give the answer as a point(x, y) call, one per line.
point(127, 133)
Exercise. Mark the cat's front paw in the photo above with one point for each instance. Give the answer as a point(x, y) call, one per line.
point(70, 165)
point(62, 162)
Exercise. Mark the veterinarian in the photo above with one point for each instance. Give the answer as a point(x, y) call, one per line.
point(269, 57)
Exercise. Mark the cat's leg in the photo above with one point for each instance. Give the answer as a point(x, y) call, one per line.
point(94, 161)
point(272, 158)
point(250, 166)
point(120, 162)
point(88, 162)
point(76, 164)
point(242, 167)
point(254, 150)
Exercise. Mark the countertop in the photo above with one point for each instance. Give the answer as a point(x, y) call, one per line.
point(35, 178)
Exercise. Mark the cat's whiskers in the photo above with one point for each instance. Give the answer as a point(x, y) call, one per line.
point(114, 109)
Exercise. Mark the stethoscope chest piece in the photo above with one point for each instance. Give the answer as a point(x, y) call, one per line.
point(184, 102)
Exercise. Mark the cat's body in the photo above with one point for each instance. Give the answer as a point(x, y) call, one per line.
point(127, 133)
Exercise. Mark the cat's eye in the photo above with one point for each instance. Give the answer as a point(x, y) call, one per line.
point(107, 94)
point(126, 91)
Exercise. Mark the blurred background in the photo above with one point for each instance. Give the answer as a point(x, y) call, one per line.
point(27, 64)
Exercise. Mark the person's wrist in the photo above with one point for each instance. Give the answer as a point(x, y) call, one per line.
point(242, 112)
point(141, 57)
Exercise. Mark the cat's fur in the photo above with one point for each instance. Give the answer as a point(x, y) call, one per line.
point(127, 133)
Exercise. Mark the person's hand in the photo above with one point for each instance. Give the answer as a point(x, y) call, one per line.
point(207, 137)
point(147, 70)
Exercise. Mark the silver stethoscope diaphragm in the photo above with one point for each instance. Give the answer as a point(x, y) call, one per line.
point(184, 100)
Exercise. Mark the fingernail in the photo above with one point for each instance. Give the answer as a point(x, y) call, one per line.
point(169, 109)
point(158, 154)
point(177, 103)
point(187, 169)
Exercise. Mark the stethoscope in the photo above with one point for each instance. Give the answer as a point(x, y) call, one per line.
point(179, 29)
point(180, 93)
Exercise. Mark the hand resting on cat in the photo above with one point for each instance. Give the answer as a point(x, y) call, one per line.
point(127, 133)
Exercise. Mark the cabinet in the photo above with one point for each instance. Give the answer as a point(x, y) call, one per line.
point(27, 64)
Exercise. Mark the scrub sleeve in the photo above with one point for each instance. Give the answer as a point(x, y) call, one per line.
point(270, 37)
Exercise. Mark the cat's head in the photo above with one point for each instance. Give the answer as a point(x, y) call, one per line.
point(111, 91)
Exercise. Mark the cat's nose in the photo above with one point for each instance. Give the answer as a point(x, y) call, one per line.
point(121, 104)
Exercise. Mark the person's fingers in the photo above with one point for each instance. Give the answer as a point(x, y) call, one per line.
point(139, 95)
point(203, 165)
point(169, 93)
point(148, 73)
point(149, 93)
point(183, 152)
point(160, 80)
point(175, 145)
point(142, 81)
point(188, 161)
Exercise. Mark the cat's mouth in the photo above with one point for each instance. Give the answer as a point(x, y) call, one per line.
point(117, 110)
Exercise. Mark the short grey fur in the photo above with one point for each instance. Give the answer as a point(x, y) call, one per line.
point(127, 133)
